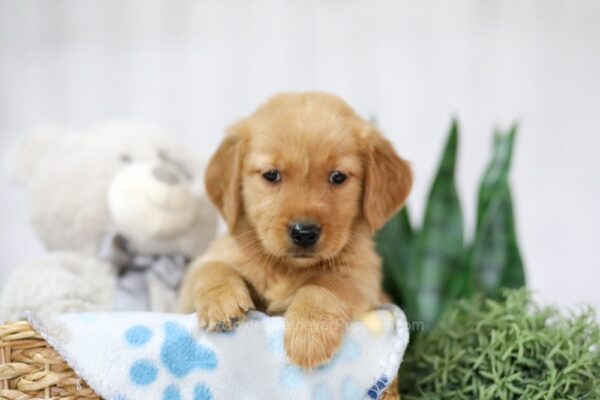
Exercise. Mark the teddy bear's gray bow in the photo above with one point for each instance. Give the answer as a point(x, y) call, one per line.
point(133, 291)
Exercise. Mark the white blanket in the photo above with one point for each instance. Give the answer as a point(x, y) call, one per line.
point(147, 356)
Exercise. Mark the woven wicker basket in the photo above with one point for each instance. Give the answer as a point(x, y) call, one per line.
point(30, 369)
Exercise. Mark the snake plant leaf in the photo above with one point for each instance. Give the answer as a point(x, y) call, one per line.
point(393, 243)
point(496, 259)
point(497, 170)
point(439, 245)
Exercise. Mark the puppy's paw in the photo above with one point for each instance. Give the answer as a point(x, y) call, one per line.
point(222, 308)
point(311, 339)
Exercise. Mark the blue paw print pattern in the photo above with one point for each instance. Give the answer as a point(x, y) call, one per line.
point(171, 393)
point(275, 341)
point(202, 392)
point(378, 388)
point(320, 392)
point(290, 377)
point(349, 352)
point(138, 335)
point(180, 353)
point(143, 372)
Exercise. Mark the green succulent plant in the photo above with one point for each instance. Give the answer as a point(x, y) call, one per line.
point(426, 269)
point(508, 349)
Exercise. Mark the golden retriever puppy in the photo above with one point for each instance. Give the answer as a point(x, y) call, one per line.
point(302, 184)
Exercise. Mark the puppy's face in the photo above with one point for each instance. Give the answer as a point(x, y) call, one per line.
point(303, 171)
point(302, 183)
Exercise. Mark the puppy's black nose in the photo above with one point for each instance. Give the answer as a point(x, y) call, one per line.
point(304, 234)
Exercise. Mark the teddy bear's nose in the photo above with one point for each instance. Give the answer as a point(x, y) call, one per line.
point(165, 175)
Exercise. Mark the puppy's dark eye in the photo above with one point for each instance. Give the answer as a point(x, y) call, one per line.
point(273, 176)
point(337, 178)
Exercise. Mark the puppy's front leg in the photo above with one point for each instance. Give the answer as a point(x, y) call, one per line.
point(315, 322)
point(219, 295)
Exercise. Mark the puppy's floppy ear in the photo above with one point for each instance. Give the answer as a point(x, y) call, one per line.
point(388, 180)
point(223, 178)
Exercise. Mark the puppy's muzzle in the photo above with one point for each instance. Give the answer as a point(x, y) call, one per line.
point(304, 234)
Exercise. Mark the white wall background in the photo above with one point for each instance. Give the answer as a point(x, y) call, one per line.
point(193, 67)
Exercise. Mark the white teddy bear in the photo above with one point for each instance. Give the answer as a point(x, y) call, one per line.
point(120, 209)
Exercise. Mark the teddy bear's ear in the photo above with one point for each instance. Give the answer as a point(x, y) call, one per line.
point(22, 158)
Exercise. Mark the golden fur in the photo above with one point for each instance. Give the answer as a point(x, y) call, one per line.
point(306, 136)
